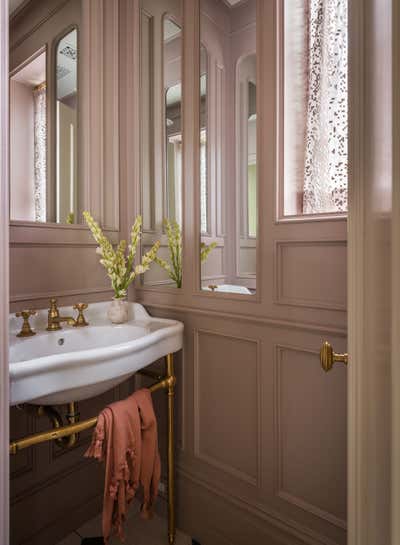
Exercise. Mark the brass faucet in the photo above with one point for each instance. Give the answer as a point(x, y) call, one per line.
point(54, 319)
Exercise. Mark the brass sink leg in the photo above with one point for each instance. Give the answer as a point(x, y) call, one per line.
point(171, 469)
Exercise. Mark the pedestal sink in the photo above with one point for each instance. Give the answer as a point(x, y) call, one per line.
point(73, 364)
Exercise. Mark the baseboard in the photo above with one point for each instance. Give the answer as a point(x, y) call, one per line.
point(211, 519)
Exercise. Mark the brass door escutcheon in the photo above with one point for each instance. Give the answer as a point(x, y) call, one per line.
point(328, 357)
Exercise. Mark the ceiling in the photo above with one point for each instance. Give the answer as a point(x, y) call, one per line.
point(33, 73)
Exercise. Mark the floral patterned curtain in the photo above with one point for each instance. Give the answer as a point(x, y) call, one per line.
point(325, 167)
point(40, 148)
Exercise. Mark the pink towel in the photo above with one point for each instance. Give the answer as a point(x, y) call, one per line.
point(125, 437)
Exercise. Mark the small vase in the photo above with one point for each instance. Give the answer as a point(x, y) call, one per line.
point(118, 311)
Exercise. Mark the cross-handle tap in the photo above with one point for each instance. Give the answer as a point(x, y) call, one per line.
point(26, 330)
point(80, 320)
point(54, 319)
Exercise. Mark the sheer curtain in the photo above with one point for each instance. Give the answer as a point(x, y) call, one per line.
point(325, 169)
point(40, 146)
point(315, 106)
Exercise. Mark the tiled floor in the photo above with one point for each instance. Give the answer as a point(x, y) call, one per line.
point(137, 532)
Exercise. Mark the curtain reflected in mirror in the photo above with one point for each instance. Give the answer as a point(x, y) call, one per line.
point(228, 147)
point(28, 141)
point(66, 128)
point(44, 134)
point(161, 129)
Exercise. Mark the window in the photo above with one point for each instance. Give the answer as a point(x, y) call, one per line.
point(315, 107)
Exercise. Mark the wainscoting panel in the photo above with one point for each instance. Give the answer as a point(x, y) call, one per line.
point(226, 404)
point(54, 270)
point(311, 434)
point(311, 274)
point(265, 432)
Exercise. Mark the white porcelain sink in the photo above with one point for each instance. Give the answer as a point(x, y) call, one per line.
point(73, 364)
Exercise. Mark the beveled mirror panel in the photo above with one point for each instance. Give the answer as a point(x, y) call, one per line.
point(67, 128)
point(161, 129)
point(228, 147)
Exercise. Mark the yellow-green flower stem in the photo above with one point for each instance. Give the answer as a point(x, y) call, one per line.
point(205, 250)
point(174, 268)
point(118, 263)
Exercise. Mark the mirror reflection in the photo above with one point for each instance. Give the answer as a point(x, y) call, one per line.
point(44, 127)
point(161, 128)
point(228, 147)
point(28, 140)
point(66, 128)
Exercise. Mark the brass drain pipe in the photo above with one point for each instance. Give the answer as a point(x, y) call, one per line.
point(57, 422)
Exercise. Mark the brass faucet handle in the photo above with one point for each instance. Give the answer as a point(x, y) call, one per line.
point(80, 320)
point(26, 330)
point(53, 304)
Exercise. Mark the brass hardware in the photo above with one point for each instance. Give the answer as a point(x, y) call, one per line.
point(60, 433)
point(80, 320)
point(213, 287)
point(171, 469)
point(57, 422)
point(26, 330)
point(328, 357)
point(54, 319)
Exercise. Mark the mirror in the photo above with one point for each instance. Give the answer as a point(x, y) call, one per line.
point(228, 147)
point(44, 90)
point(67, 128)
point(161, 128)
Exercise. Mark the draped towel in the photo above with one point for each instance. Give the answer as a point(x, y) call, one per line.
point(125, 438)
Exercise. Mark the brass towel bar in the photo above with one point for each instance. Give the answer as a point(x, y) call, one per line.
point(166, 383)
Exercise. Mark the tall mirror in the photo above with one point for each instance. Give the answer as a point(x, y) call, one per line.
point(228, 147)
point(67, 128)
point(44, 90)
point(161, 129)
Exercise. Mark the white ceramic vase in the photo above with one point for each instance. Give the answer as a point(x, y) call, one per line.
point(118, 311)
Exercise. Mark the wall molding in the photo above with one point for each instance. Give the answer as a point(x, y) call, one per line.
point(59, 293)
point(280, 491)
point(257, 509)
point(254, 481)
point(54, 233)
point(279, 297)
point(29, 453)
point(259, 320)
point(21, 12)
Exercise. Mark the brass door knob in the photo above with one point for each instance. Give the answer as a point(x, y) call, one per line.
point(328, 357)
point(26, 330)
